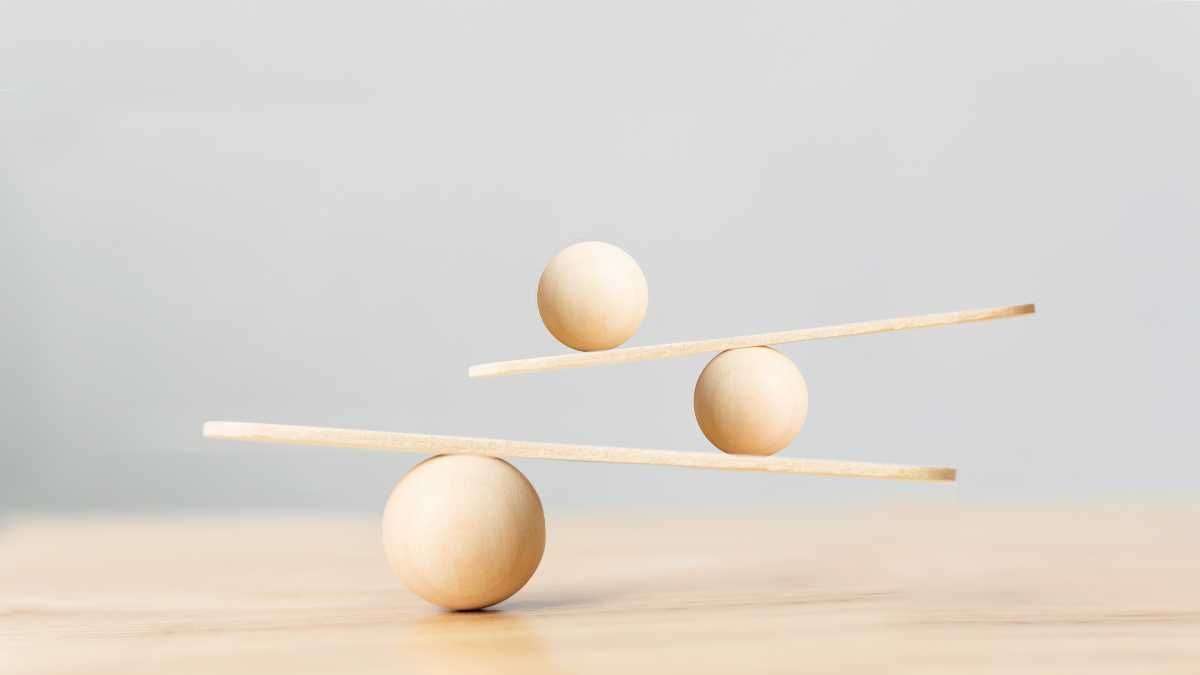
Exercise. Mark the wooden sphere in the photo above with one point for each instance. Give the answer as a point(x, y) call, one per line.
point(592, 296)
point(464, 531)
point(751, 401)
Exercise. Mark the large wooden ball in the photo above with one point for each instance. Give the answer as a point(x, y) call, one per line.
point(592, 295)
point(751, 401)
point(464, 532)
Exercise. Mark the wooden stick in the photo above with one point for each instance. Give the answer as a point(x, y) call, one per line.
point(646, 353)
point(492, 447)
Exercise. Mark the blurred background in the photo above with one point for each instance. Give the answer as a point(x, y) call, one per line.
point(322, 213)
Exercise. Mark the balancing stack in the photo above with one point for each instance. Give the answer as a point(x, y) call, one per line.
point(591, 296)
point(465, 529)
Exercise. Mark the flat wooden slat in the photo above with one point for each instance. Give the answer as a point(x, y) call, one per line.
point(675, 349)
point(393, 441)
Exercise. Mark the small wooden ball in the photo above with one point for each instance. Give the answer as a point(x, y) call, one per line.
point(751, 401)
point(463, 531)
point(592, 296)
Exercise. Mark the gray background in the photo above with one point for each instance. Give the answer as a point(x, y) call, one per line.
point(322, 213)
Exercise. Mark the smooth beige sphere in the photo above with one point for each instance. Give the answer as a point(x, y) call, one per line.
point(751, 401)
point(592, 296)
point(463, 531)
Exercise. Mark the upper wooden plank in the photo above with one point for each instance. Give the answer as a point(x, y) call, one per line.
point(674, 349)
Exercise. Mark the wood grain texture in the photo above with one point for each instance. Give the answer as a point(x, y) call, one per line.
point(750, 401)
point(930, 590)
point(672, 350)
point(463, 531)
point(592, 295)
point(394, 441)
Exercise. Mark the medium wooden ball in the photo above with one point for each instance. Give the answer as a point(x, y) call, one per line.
point(592, 296)
point(751, 401)
point(463, 531)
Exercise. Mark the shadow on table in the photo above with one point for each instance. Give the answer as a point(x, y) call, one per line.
point(487, 641)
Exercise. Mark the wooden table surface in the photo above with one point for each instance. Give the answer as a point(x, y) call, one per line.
point(945, 589)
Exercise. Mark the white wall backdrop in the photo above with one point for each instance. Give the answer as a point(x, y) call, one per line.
point(322, 213)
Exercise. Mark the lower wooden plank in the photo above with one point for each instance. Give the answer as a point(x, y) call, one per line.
point(395, 441)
